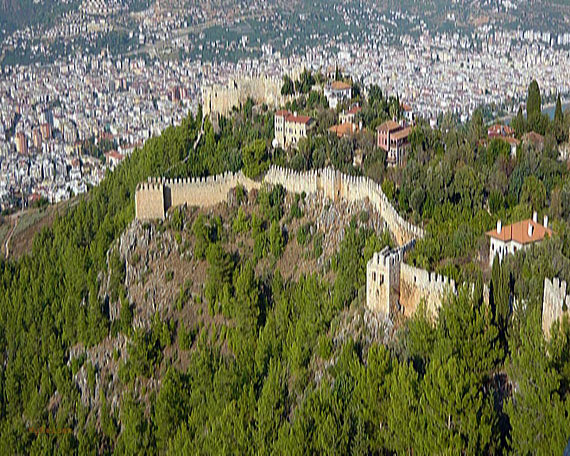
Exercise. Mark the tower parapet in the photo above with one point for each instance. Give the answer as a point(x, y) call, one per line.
point(149, 200)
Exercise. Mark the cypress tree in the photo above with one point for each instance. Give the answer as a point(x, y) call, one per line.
point(559, 121)
point(518, 123)
point(500, 298)
point(533, 105)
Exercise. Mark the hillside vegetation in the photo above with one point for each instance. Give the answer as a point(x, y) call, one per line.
point(276, 363)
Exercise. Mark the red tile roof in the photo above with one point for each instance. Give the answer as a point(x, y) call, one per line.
point(344, 129)
point(298, 119)
point(518, 232)
point(512, 141)
point(354, 110)
point(114, 154)
point(389, 125)
point(401, 134)
point(292, 117)
point(339, 85)
point(500, 130)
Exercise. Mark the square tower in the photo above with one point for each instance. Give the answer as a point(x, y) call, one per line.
point(383, 281)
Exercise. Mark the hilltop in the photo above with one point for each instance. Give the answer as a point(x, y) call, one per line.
point(157, 282)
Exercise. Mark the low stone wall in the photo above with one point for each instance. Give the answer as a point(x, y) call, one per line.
point(418, 284)
point(553, 302)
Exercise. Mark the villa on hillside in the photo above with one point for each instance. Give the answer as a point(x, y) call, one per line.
point(347, 125)
point(337, 92)
point(408, 113)
point(520, 235)
point(505, 133)
point(393, 138)
point(350, 115)
point(290, 128)
point(500, 131)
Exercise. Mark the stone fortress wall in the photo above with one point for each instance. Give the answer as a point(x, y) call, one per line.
point(220, 99)
point(391, 284)
point(155, 197)
point(338, 186)
point(418, 284)
point(394, 286)
point(149, 200)
point(383, 280)
point(555, 303)
point(211, 190)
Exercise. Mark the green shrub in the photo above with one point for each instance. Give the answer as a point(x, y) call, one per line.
point(241, 222)
point(304, 234)
point(185, 337)
point(318, 245)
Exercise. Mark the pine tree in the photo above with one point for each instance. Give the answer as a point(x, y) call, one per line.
point(271, 408)
point(539, 418)
point(404, 408)
point(276, 241)
point(288, 87)
point(500, 300)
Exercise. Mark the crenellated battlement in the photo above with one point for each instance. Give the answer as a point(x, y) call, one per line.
point(149, 186)
point(420, 285)
point(205, 191)
point(555, 303)
point(335, 186)
point(154, 197)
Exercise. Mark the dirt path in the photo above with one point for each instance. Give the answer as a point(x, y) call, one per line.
point(14, 222)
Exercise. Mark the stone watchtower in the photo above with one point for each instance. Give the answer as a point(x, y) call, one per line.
point(149, 200)
point(383, 280)
point(555, 303)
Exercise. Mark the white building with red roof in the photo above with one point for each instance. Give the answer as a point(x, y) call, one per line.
point(337, 92)
point(290, 128)
point(350, 115)
point(520, 235)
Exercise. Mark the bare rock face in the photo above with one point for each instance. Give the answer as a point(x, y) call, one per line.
point(332, 218)
point(105, 368)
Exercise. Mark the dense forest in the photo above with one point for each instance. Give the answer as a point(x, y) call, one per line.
point(480, 378)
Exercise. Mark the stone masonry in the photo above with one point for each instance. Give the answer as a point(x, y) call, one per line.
point(219, 100)
point(155, 197)
point(555, 303)
point(213, 189)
